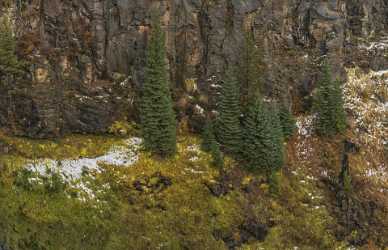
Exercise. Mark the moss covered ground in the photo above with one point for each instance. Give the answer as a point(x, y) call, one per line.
point(179, 203)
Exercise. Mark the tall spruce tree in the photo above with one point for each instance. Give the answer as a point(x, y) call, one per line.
point(338, 106)
point(217, 159)
point(328, 104)
point(209, 144)
point(9, 63)
point(228, 122)
point(287, 121)
point(208, 137)
point(250, 68)
point(157, 114)
point(263, 138)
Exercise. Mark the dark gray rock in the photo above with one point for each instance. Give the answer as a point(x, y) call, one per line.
point(155, 183)
point(76, 48)
point(3, 247)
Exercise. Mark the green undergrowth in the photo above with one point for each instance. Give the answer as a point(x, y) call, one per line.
point(69, 147)
point(299, 215)
point(154, 204)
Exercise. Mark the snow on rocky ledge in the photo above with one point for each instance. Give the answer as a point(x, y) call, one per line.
point(365, 97)
point(366, 100)
point(304, 144)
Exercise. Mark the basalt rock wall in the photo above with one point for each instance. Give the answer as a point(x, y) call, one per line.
point(87, 57)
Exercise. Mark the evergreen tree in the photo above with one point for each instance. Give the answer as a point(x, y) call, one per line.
point(345, 185)
point(251, 68)
point(209, 144)
point(287, 121)
point(263, 138)
point(345, 179)
point(218, 160)
point(9, 63)
point(338, 106)
point(157, 114)
point(228, 122)
point(328, 104)
point(208, 137)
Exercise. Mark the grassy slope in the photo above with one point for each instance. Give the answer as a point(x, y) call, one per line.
point(184, 215)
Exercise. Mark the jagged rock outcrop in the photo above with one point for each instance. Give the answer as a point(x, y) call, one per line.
point(87, 56)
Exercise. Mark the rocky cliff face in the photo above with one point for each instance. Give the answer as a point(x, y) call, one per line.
point(87, 56)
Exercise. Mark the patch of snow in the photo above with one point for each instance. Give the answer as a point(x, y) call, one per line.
point(194, 159)
point(194, 148)
point(268, 100)
point(311, 177)
point(305, 125)
point(82, 186)
point(304, 147)
point(194, 171)
point(198, 109)
point(125, 82)
point(72, 169)
point(380, 172)
point(364, 99)
point(380, 73)
point(375, 46)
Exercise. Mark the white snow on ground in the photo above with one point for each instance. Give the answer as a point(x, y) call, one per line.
point(379, 172)
point(380, 73)
point(366, 99)
point(72, 170)
point(377, 45)
point(365, 96)
point(305, 130)
point(305, 126)
point(199, 110)
point(194, 151)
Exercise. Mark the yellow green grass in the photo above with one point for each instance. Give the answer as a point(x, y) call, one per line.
point(183, 215)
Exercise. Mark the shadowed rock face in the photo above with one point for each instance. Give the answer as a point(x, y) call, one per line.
point(83, 51)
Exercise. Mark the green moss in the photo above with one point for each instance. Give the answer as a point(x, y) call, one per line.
point(123, 128)
point(300, 221)
point(72, 147)
point(40, 218)
point(227, 212)
point(184, 215)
